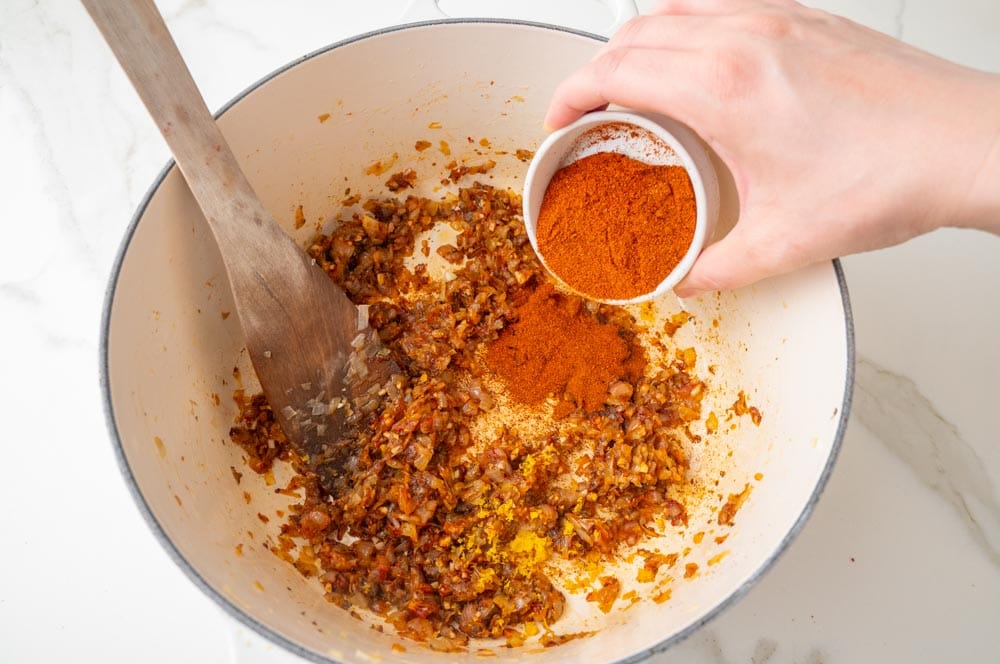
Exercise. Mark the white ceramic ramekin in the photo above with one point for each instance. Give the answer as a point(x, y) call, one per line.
point(679, 146)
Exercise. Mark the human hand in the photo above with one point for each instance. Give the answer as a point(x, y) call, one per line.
point(840, 139)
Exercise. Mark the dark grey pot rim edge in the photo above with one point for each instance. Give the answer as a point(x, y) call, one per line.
point(270, 634)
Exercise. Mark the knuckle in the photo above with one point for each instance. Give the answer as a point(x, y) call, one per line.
point(608, 65)
point(734, 74)
point(769, 25)
point(665, 7)
point(772, 249)
point(629, 32)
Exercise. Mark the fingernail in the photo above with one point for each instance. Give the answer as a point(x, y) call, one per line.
point(686, 292)
point(548, 128)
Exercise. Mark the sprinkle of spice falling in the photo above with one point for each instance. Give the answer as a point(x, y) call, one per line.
point(613, 228)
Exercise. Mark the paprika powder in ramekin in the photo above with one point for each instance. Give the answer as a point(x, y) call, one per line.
point(619, 205)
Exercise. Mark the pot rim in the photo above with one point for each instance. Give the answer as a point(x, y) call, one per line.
point(266, 631)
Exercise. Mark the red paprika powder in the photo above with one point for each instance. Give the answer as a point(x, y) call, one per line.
point(612, 228)
point(558, 348)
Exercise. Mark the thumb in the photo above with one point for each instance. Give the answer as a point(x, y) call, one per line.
point(730, 263)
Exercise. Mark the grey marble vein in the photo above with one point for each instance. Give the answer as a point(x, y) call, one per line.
point(20, 293)
point(898, 20)
point(703, 646)
point(764, 651)
point(814, 657)
point(892, 407)
point(183, 8)
point(714, 649)
point(207, 18)
point(35, 120)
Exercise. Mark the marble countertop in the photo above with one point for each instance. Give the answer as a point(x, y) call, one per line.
point(900, 562)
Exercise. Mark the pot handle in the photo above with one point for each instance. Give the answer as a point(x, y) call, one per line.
point(430, 10)
point(624, 10)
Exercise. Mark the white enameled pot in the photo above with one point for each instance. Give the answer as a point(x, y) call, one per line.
point(169, 348)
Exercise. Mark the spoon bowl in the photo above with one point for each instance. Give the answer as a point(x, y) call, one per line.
point(651, 139)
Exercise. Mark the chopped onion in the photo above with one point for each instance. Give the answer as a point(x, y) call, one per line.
point(362, 316)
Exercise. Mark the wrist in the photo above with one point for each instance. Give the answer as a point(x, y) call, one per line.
point(979, 207)
point(985, 194)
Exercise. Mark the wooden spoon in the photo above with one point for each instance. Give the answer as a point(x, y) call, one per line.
point(300, 328)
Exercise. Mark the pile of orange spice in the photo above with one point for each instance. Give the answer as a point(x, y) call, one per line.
point(613, 228)
point(556, 347)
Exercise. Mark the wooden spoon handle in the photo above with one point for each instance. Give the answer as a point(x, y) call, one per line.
point(139, 38)
point(298, 324)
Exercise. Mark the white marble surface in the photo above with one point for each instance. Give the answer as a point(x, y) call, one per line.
point(900, 563)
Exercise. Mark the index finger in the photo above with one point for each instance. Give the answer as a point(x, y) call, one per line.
point(699, 7)
point(660, 80)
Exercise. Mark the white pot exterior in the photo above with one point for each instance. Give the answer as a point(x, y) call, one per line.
point(787, 342)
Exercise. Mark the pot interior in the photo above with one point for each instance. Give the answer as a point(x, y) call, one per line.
point(305, 136)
